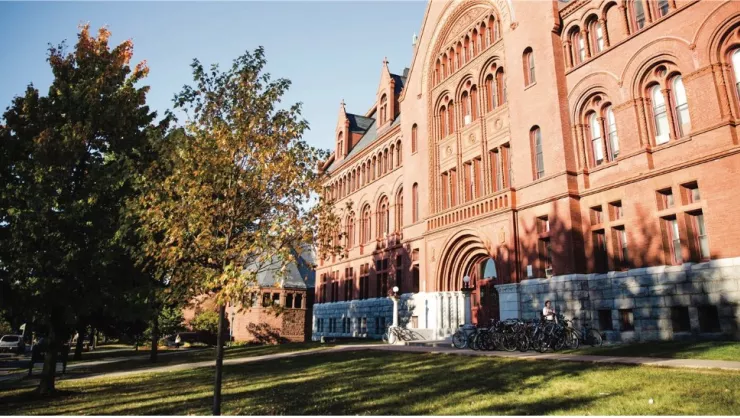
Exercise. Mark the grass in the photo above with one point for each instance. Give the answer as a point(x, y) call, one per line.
point(703, 350)
point(392, 383)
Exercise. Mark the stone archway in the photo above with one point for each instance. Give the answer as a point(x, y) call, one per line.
point(466, 254)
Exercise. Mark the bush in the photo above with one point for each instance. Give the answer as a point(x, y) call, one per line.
point(206, 321)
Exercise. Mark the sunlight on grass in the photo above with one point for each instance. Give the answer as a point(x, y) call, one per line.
point(704, 350)
point(392, 383)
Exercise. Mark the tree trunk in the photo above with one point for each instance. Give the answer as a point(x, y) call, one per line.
point(48, 375)
point(219, 360)
point(93, 339)
point(80, 340)
point(155, 337)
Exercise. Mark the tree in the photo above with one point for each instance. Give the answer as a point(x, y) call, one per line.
point(235, 190)
point(206, 321)
point(67, 164)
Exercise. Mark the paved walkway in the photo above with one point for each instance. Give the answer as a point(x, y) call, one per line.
point(645, 361)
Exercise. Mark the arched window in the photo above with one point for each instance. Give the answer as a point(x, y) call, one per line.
point(500, 87)
point(682, 107)
point(467, 118)
point(350, 230)
point(597, 144)
point(484, 37)
point(340, 144)
point(638, 15)
point(663, 7)
point(597, 37)
point(374, 171)
point(437, 67)
point(399, 157)
point(442, 122)
point(451, 118)
point(736, 71)
point(611, 128)
point(415, 203)
point(467, 51)
point(474, 102)
point(492, 32)
point(660, 116)
point(383, 109)
point(459, 55)
point(413, 138)
point(579, 47)
point(383, 217)
point(385, 162)
point(365, 231)
point(528, 66)
point(538, 161)
point(399, 210)
point(490, 102)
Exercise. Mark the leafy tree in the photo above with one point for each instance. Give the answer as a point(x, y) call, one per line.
point(235, 189)
point(67, 164)
point(206, 321)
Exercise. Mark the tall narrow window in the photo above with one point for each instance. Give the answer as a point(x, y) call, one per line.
point(674, 240)
point(451, 119)
point(682, 107)
point(598, 37)
point(468, 181)
point(383, 217)
point(383, 109)
point(639, 10)
point(528, 61)
point(453, 187)
point(736, 70)
point(596, 139)
point(491, 104)
point(506, 165)
point(399, 210)
point(350, 230)
point(539, 162)
point(413, 138)
point(442, 122)
point(660, 116)
point(701, 234)
point(415, 202)
point(467, 118)
point(581, 45)
point(399, 154)
point(474, 102)
point(611, 127)
point(500, 87)
point(663, 7)
point(496, 170)
point(445, 190)
point(477, 177)
point(366, 234)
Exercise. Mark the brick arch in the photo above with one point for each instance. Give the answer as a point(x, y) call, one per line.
point(671, 49)
point(484, 70)
point(460, 252)
point(712, 33)
point(604, 81)
point(460, 88)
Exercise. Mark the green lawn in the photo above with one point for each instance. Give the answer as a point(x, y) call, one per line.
point(705, 350)
point(388, 383)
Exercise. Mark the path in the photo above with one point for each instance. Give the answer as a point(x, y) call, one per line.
point(644, 361)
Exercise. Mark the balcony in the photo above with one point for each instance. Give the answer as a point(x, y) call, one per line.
point(489, 205)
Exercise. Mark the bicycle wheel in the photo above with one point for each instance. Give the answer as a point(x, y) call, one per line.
point(392, 337)
point(509, 342)
point(522, 343)
point(571, 339)
point(593, 338)
point(459, 340)
point(540, 343)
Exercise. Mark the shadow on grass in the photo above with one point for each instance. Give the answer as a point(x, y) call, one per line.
point(704, 350)
point(387, 383)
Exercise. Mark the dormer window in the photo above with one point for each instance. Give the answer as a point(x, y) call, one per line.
point(383, 109)
point(340, 144)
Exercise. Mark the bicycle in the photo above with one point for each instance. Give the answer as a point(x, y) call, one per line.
point(585, 334)
point(392, 334)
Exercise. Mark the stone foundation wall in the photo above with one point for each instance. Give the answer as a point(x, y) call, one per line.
point(665, 302)
point(378, 314)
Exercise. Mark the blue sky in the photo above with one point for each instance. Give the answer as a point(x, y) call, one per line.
point(329, 50)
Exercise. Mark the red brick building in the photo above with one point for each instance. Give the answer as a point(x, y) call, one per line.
point(589, 147)
point(280, 310)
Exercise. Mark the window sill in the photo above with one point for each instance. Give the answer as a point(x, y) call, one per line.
point(670, 144)
point(529, 86)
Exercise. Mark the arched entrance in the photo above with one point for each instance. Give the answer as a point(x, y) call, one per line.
point(466, 254)
point(484, 299)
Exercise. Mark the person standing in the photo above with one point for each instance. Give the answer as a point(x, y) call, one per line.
point(549, 313)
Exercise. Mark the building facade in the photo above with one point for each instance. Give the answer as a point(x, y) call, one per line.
point(281, 306)
point(589, 147)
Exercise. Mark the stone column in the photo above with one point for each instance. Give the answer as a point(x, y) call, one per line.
point(669, 112)
point(605, 32)
point(568, 54)
point(587, 43)
point(625, 20)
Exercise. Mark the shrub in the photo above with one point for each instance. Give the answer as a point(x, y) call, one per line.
point(206, 321)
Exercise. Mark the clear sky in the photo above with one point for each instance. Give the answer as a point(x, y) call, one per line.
point(329, 50)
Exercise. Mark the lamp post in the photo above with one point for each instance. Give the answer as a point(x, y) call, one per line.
point(467, 290)
point(394, 298)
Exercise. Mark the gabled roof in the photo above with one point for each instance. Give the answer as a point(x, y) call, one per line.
point(370, 136)
point(359, 124)
point(300, 274)
point(400, 80)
